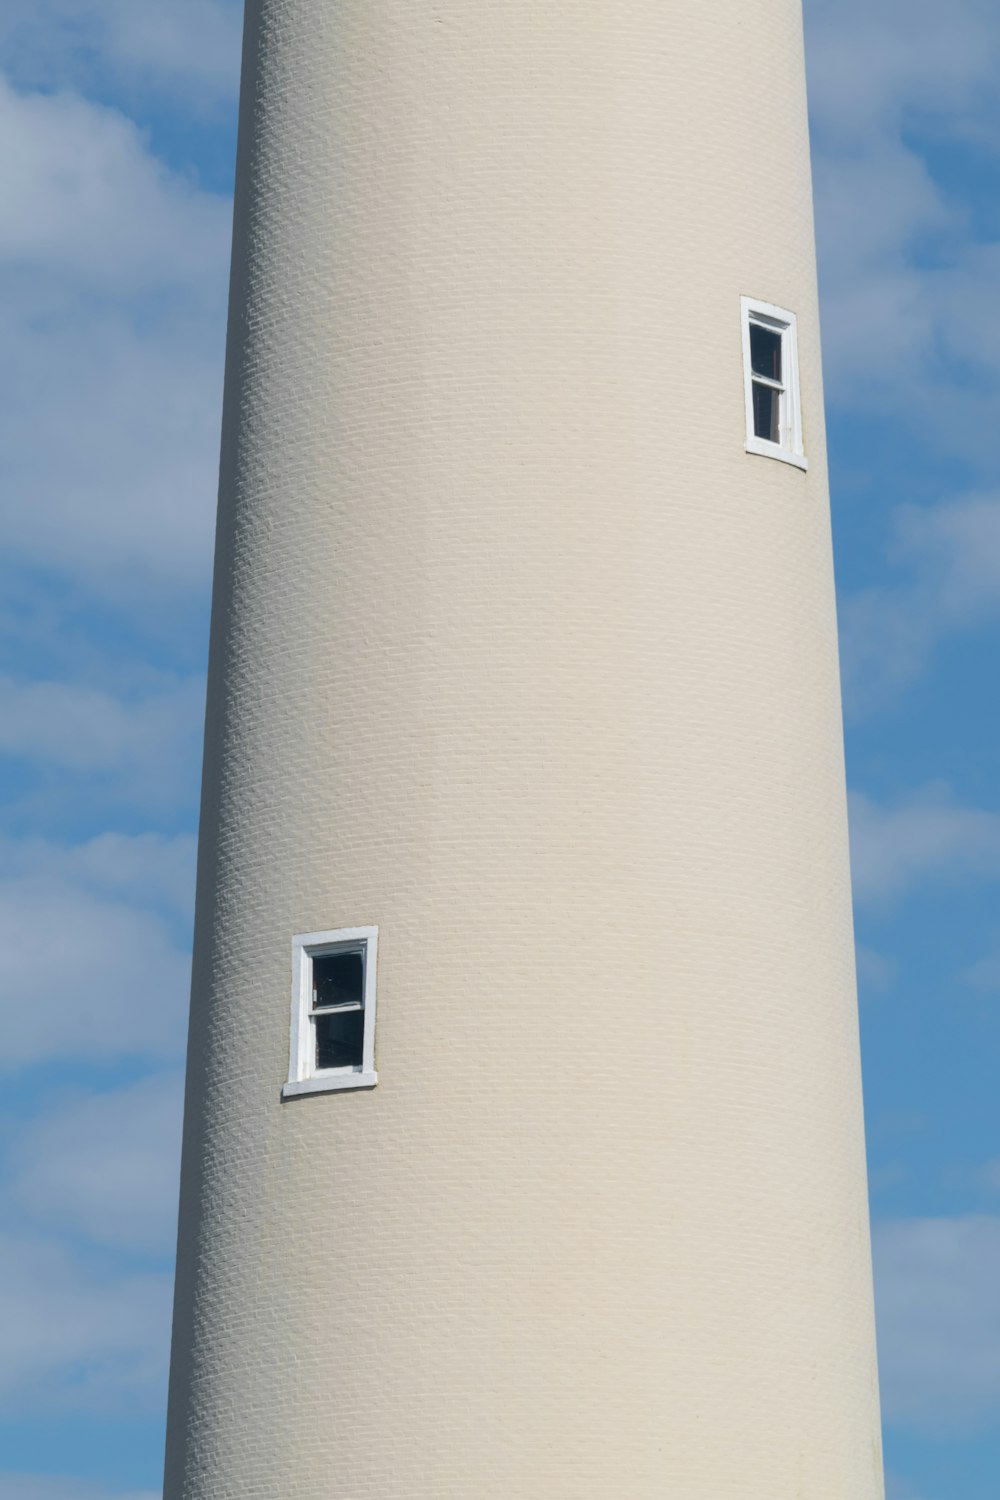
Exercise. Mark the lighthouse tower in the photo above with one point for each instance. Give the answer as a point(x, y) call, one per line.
point(523, 1150)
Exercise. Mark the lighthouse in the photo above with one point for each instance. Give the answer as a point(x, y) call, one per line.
point(523, 1147)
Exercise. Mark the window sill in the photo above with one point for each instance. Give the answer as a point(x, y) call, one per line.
point(329, 1083)
point(764, 449)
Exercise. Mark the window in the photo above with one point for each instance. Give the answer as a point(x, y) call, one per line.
point(333, 1011)
point(771, 377)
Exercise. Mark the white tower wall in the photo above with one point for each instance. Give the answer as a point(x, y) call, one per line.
point(518, 655)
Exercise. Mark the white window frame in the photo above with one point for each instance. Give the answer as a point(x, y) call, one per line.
point(789, 449)
point(303, 1075)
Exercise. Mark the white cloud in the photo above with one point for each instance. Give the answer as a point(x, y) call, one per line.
point(196, 40)
point(938, 1300)
point(929, 837)
point(84, 729)
point(82, 195)
point(886, 640)
point(878, 321)
point(895, 1489)
point(875, 971)
point(112, 319)
point(949, 556)
point(84, 977)
point(875, 65)
point(911, 322)
point(989, 1176)
point(74, 1334)
point(111, 436)
point(94, 964)
point(891, 311)
point(955, 549)
point(984, 974)
point(33, 1487)
point(106, 1165)
point(146, 869)
point(190, 47)
point(145, 750)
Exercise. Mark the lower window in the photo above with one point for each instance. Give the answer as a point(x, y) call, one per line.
point(771, 380)
point(333, 1011)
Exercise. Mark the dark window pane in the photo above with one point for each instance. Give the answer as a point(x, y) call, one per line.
point(765, 352)
point(340, 1039)
point(766, 407)
point(338, 978)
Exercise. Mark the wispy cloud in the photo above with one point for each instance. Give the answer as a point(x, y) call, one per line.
point(989, 1176)
point(110, 425)
point(876, 972)
point(911, 321)
point(947, 558)
point(189, 47)
point(31, 1487)
point(938, 1297)
point(83, 196)
point(147, 869)
point(142, 748)
point(900, 1489)
point(85, 977)
point(984, 974)
point(927, 837)
point(878, 322)
point(105, 1165)
point(112, 324)
point(112, 321)
point(76, 1335)
point(874, 67)
point(877, 73)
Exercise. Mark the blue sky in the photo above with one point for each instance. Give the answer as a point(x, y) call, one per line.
point(118, 123)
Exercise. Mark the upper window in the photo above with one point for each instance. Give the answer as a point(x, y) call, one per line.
point(771, 378)
point(333, 1011)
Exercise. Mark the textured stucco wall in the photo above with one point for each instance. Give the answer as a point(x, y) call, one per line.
point(518, 655)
